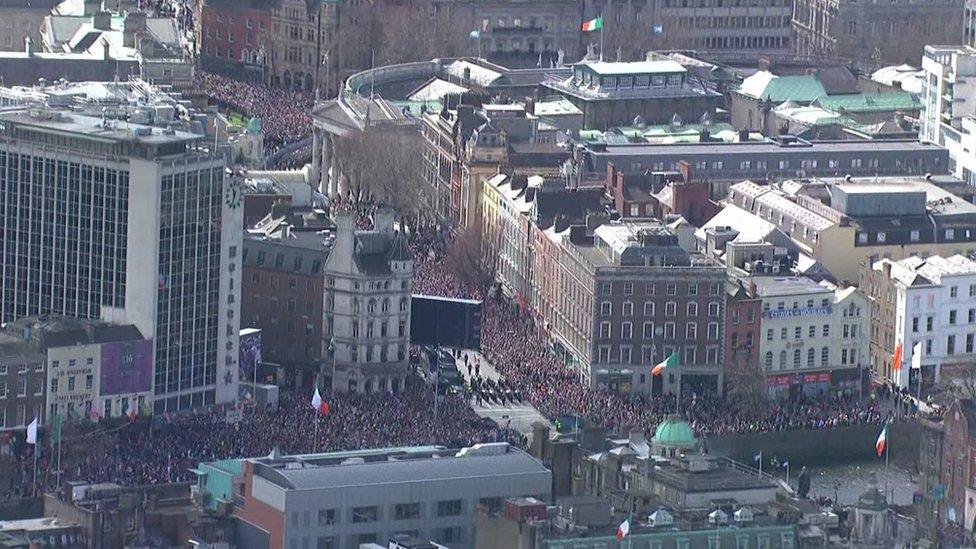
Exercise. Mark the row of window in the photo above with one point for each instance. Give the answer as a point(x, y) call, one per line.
point(849, 357)
point(667, 330)
point(649, 355)
point(850, 332)
point(670, 308)
point(650, 288)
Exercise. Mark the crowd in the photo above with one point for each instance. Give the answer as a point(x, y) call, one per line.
point(512, 345)
point(284, 114)
point(136, 454)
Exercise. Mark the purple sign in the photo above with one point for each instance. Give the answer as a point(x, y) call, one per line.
point(250, 351)
point(126, 367)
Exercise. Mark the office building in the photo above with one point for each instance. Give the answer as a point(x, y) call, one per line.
point(812, 337)
point(625, 296)
point(847, 223)
point(929, 300)
point(948, 99)
point(343, 499)
point(128, 223)
point(870, 34)
point(723, 164)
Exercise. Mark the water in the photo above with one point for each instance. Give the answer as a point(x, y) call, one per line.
point(849, 481)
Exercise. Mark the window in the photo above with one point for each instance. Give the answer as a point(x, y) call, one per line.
point(648, 330)
point(769, 360)
point(648, 308)
point(626, 330)
point(628, 308)
point(670, 308)
point(364, 514)
point(606, 308)
point(811, 356)
point(826, 330)
point(406, 511)
point(824, 356)
point(769, 334)
point(327, 517)
point(796, 358)
point(713, 309)
point(450, 508)
point(672, 288)
point(691, 330)
point(882, 237)
point(952, 316)
point(713, 330)
point(692, 308)
point(628, 288)
point(605, 331)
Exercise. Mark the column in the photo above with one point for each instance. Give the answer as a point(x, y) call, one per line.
point(315, 176)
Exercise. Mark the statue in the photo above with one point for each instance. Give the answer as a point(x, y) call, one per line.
point(803, 483)
point(559, 57)
point(620, 54)
point(590, 52)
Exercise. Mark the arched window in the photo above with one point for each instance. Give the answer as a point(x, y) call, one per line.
point(371, 306)
point(796, 358)
point(811, 356)
point(386, 304)
point(782, 360)
point(824, 356)
point(769, 360)
point(403, 304)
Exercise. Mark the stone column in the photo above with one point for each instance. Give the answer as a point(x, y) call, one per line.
point(315, 176)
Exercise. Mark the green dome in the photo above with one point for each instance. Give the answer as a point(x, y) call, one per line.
point(254, 125)
point(674, 431)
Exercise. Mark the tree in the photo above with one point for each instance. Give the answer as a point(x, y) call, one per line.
point(957, 383)
point(382, 165)
point(410, 32)
point(747, 389)
point(466, 257)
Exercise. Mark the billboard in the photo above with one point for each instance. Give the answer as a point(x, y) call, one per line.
point(445, 322)
point(250, 352)
point(126, 367)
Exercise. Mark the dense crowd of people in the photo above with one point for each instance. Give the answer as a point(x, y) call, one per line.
point(512, 345)
point(285, 114)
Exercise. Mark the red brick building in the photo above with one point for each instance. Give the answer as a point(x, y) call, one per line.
point(282, 293)
point(742, 320)
point(232, 36)
point(957, 459)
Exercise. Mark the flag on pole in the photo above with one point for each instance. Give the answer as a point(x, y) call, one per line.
point(896, 357)
point(623, 529)
point(786, 464)
point(917, 356)
point(593, 24)
point(758, 457)
point(879, 446)
point(320, 405)
point(669, 362)
point(32, 432)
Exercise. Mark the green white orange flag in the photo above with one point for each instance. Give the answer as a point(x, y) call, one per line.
point(879, 446)
point(669, 362)
point(593, 24)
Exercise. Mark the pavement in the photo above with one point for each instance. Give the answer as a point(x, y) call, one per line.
point(517, 416)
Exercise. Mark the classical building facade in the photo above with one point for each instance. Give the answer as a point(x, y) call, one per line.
point(871, 34)
point(366, 326)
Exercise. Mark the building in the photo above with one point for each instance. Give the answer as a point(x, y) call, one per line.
point(743, 312)
point(948, 98)
point(957, 463)
point(22, 382)
point(526, 34)
point(625, 297)
point(41, 532)
point(870, 34)
point(283, 284)
point(930, 461)
point(922, 300)
point(343, 499)
point(812, 336)
point(847, 223)
point(785, 157)
point(614, 93)
point(22, 20)
point(94, 369)
point(232, 37)
point(369, 279)
point(163, 255)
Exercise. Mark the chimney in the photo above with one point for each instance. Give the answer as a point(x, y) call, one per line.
point(92, 7)
point(29, 46)
point(684, 168)
point(102, 21)
point(133, 24)
point(106, 49)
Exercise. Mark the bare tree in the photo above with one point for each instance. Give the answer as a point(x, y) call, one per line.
point(957, 383)
point(382, 165)
point(632, 37)
point(410, 32)
point(466, 257)
point(747, 388)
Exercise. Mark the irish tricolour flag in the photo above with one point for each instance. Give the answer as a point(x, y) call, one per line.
point(593, 24)
point(669, 362)
point(879, 446)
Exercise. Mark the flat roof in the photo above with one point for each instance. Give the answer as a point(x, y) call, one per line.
point(634, 67)
point(761, 147)
point(91, 127)
point(775, 286)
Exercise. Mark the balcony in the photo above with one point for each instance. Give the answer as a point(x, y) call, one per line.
point(518, 30)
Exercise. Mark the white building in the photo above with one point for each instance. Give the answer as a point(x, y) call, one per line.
point(368, 284)
point(129, 223)
point(949, 101)
point(934, 303)
point(813, 336)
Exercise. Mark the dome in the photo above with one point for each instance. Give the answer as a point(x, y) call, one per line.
point(254, 125)
point(674, 431)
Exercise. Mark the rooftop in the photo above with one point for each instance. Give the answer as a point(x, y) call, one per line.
point(659, 66)
point(779, 286)
point(416, 464)
point(95, 129)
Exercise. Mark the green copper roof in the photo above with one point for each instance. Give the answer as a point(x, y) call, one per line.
point(871, 102)
point(802, 89)
point(674, 431)
point(254, 125)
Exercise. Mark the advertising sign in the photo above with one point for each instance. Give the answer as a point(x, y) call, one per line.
point(126, 367)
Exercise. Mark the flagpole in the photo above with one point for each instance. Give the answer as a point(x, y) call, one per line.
point(37, 447)
point(887, 449)
point(602, 22)
point(760, 463)
point(787, 472)
point(60, 442)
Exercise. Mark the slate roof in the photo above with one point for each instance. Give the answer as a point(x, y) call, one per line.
point(374, 250)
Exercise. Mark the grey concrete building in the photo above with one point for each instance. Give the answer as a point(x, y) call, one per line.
point(871, 34)
point(339, 500)
point(785, 157)
point(366, 326)
point(131, 223)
